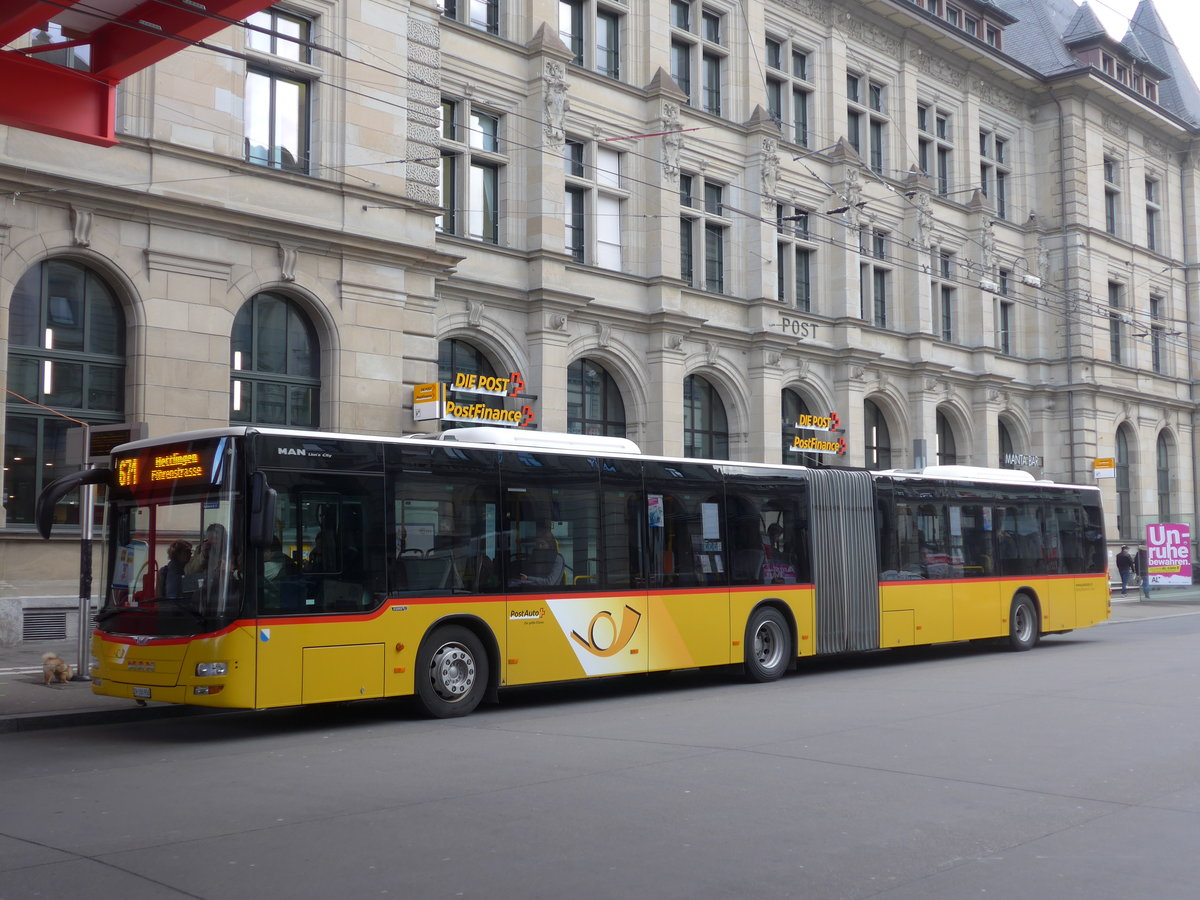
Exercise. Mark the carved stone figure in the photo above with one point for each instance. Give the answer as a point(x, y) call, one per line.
point(557, 104)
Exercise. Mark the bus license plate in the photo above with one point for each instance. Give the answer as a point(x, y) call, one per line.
point(141, 693)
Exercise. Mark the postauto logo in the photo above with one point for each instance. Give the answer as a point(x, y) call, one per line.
point(622, 634)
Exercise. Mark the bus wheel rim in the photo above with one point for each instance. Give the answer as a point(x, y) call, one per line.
point(452, 672)
point(1024, 622)
point(768, 644)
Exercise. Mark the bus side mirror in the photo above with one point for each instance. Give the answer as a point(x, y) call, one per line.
point(262, 511)
point(43, 509)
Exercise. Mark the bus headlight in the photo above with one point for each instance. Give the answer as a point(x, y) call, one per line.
point(209, 669)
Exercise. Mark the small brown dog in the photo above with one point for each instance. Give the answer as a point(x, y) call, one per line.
point(55, 668)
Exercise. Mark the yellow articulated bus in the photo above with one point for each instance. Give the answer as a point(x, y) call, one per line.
point(255, 568)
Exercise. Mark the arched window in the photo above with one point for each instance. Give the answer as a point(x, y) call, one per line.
point(276, 362)
point(1124, 494)
point(457, 356)
point(1162, 453)
point(947, 449)
point(877, 440)
point(66, 351)
point(793, 406)
point(1006, 446)
point(594, 404)
point(705, 427)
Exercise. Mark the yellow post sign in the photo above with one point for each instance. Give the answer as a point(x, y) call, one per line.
point(1104, 468)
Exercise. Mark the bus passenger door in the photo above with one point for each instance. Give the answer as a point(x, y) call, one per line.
point(317, 583)
point(688, 556)
point(573, 607)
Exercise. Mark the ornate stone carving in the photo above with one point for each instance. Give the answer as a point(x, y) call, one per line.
point(924, 220)
point(287, 262)
point(672, 139)
point(936, 67)
point(712, 352)
point(557, 322)
point(871, 35)
point(557, 104)
point(818, 10)
point(1115, 125)
point(81, 226)
point(603, 335)
point(770, 171)
point(475, 311)
point(673, 341)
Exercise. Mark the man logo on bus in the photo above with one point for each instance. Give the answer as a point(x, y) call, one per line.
point(621, 636)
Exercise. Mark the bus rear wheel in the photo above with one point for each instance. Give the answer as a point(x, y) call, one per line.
point(452, 672)
point(1022, 623)
point(768, 645)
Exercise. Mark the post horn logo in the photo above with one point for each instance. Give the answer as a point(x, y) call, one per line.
point(630, 618)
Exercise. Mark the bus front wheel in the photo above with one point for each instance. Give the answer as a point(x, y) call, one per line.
point(452, 672)
point(1022, 623)
point(768, 645)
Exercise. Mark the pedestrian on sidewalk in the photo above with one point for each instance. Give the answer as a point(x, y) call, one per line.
point(1141, 565)
point(1124, 568)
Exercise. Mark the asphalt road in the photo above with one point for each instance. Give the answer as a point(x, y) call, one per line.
point(1070, 771)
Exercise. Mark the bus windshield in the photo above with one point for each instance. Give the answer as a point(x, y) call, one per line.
point(175, 559)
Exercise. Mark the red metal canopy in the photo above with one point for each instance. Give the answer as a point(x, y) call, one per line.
point(64, 81)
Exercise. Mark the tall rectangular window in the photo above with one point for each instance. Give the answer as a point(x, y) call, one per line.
point(1115, 325)
point(1112, 193)
point(945, 298)
point(591, 29)
point(1006, 312)
point(1153, 212)
point(276, 106)
point(789, 89)
point(795, 257)
point(935, 145)
point(472, 164)
point(994, 170)
point(1158, 335)
point(867, 119)
point(594, 198)
point(699, 54)
point(702, 233)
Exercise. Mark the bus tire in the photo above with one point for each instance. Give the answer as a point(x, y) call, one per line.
point(452, 672)
point(1022, 623)
point(768, 645)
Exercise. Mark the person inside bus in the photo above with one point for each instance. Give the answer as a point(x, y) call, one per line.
point(170, 576)
point(210, 565)
point(778, 567)
point(543, 565)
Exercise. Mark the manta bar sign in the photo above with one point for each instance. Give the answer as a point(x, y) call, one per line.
point(829, 423)
point(457, 401)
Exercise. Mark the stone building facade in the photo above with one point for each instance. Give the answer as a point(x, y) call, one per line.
point(967, 228)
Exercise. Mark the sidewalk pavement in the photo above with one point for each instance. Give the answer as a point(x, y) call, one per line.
point(26, 703)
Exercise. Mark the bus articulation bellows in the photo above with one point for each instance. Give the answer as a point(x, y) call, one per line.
point(256, 568)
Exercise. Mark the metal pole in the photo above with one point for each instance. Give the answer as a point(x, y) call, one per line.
point(87, 502)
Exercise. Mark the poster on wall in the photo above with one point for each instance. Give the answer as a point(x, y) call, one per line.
point(1169, 553)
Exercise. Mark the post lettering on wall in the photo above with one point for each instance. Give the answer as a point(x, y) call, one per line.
point(829, 423)
point(454, 401)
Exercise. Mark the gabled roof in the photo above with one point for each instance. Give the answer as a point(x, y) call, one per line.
point(1178, 91)
point(1084, 27)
